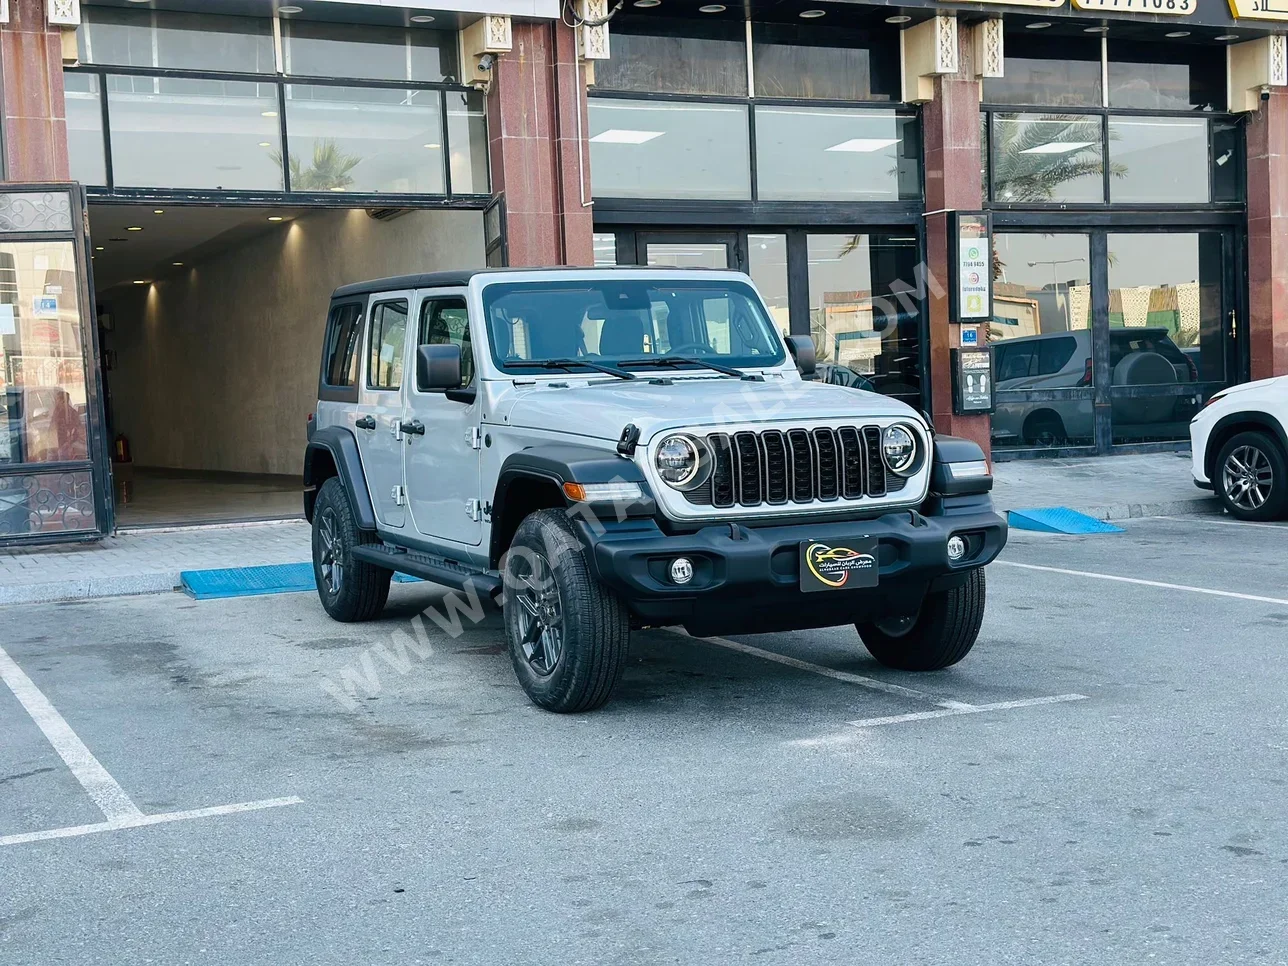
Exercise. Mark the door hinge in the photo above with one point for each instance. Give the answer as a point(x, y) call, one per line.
point(476, 437)
point(400, 495)
point(473, 510)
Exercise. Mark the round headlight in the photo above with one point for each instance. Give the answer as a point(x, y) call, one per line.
point(680, 462)
point(898, 448)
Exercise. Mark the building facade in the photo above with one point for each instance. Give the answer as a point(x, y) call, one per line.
point(240, 159)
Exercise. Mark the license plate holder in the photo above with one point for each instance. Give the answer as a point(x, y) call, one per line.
point(844, 564)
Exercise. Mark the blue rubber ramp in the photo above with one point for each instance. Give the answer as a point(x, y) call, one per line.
point(253, 581)
point(1058, 519)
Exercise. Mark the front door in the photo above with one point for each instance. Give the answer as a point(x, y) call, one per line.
point(443, 463)
point(380, 407)
point(689, 250)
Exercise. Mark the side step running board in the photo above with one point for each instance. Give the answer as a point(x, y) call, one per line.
point(440, 570)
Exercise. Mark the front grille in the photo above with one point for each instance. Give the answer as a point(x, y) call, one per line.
point(779, 467)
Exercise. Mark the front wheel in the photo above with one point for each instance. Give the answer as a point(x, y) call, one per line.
point(1251, 478)
point(941, 633)
point(568, 634)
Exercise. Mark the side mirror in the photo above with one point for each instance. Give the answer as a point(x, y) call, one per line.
point(802, 350)
point(438, 368)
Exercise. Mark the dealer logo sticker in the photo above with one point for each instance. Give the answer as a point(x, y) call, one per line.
point(832, 568)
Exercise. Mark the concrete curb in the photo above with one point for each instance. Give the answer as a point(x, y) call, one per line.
point(1206, 506)
point(86, 588)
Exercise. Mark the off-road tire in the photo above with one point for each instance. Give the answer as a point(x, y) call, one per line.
point(942, 633)
point(363, 587)
point(595, 624)
point(1275, 506)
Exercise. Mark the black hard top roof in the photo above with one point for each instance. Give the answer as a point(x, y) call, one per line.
point(462, 278)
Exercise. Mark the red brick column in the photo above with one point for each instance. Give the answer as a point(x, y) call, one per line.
point(31, 68)
point(950, 131)
point(538, 160)
point(1268, 237)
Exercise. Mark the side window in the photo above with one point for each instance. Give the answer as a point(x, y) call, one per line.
point(1017, 364)
point(447, 322)
point(385, 345)
point(340, 367)
point(1054, 355)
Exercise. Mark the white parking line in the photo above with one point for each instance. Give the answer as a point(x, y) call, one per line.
point(1226, 523)
point(108, 795)
point(102, 787)
point(1143, 583)
point(965, 709)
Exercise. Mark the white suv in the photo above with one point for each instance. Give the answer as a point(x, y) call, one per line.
point(1241, 449)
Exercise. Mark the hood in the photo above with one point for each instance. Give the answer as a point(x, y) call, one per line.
point(1276, 381)
point(601, 409)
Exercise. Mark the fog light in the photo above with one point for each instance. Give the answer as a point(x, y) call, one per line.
point(956, 548)
point(681, 570)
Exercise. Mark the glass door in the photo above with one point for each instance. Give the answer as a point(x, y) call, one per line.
point(689, 250)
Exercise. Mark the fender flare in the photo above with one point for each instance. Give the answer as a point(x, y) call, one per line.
point(340, 446)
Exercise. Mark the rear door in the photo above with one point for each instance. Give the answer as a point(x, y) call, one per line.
point(380, 405)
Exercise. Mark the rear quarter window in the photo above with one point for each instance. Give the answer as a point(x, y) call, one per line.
point(340, 353)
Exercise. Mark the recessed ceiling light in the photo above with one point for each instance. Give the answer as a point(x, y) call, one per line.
point(1177, 34)
point(274, 113)
point(812, 14)
point(140, 281)
point(712, 8)
point(1040, 25)
point(337, 189)
point(290, 8)
point(422, 18)
point(177, 264)
point(134, 228)
point(274, 217)
point(619, 135)
point(158, 211)
point(1226, 37)
point(898, 18)
point(265, 144)
point(1095, 30)
point(645, 4)
point(98, 248)
point(433, 147)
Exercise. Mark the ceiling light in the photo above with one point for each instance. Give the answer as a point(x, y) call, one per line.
point(422, 18)
point(140, 281)
point(863, 145)
point(812, 14)
point(158, 211)
point(268, 113)
point(337, 189)
point(274, 217)
point(265, 144)
point(645, 4)
point(1057, 147)
point(98, 248)
point(1095, 30)
point(898, 18)
point(1226, 37)
point(177, 264)
point(1040, 25)
point(290, 8)
point(134, 228)
point(622, 136)
point(712, 8)
point(1177, 34)
point(433, 147)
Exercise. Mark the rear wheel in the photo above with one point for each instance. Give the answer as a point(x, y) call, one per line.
point(350, 590)
point(1251, 477)
point(568, 634)
point(939, 635)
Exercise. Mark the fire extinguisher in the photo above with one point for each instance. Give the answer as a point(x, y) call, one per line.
point(122, 449)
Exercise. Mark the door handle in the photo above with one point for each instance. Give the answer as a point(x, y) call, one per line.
point(413, 428)
point(365, 422)
point(1234, 325)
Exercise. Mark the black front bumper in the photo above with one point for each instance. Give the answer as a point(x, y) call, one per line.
point(747, 579)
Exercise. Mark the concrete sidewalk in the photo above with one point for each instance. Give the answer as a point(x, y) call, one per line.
point(149, 561)
point(1107, 488)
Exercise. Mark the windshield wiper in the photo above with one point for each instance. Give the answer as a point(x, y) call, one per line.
point(568, 364)
point(674, 361)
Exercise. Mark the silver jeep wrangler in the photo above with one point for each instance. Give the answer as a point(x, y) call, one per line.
point(611, 449)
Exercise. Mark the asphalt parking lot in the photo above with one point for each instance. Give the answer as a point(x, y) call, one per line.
point(1102, 781)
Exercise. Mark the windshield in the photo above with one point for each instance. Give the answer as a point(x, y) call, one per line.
point(641, 321)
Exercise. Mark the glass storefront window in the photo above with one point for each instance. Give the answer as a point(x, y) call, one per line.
point(605, 246)
point(467, 141)
point(668, 149)
point(1228, 172)
point(85, 128)
point(1048, 72)
point(677, 57)
point(687, 255)
point(767, 255)
point(1041, 338)
point(178, 133)
point(865, 321)
point(364, 139)
point(1047, 158)
point(184, 41)
point(831, 64)
point(1158, 159)
point(1167, 77)
point(317, 49)
point(832, 153)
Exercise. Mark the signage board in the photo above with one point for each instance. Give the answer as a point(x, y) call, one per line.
point(1166, 8)
point(1259, 9)
point(972, 381)
point(970, 239)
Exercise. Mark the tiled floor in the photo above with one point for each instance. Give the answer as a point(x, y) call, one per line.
point(162, 499)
